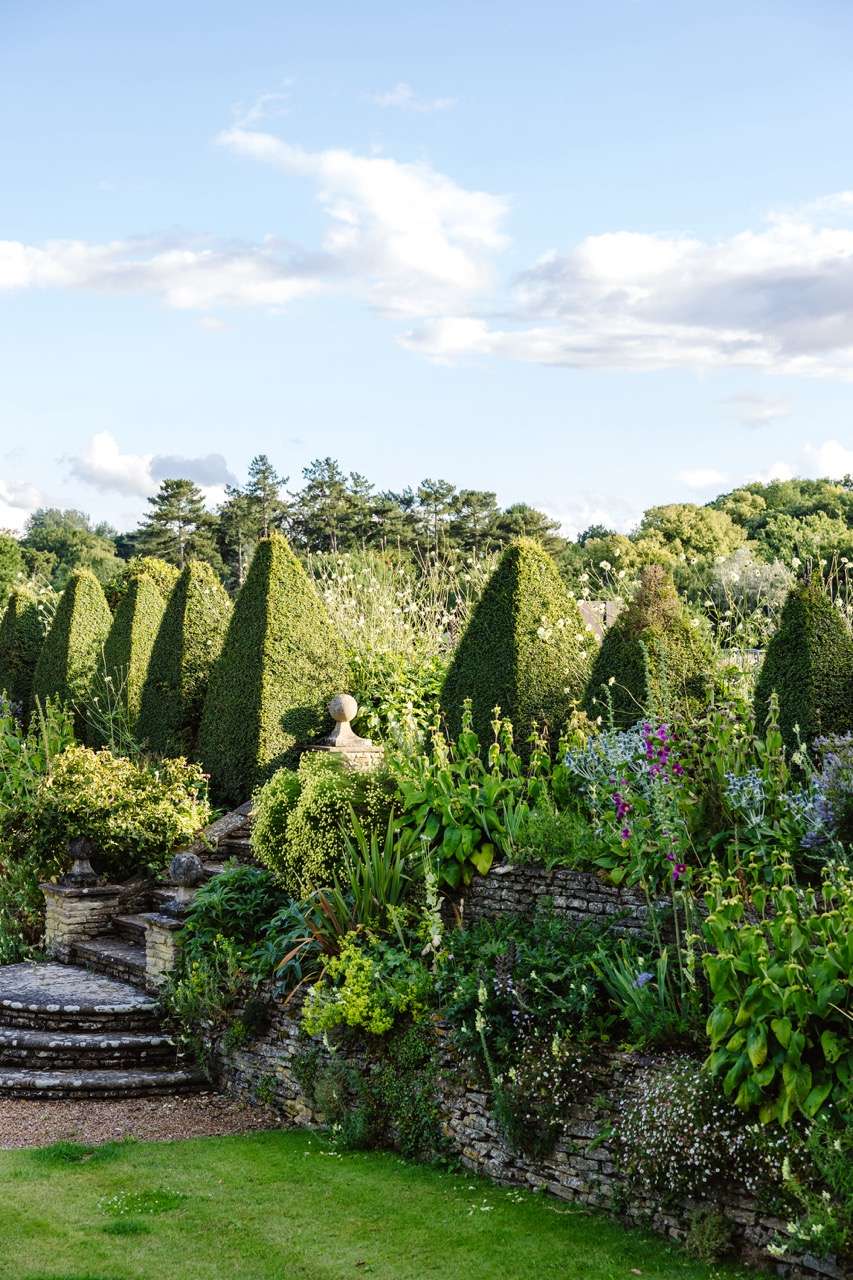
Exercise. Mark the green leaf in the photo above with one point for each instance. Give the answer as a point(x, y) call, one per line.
point(483, 857)
point(831, 1045)
point(816, 1099)
point(719, 1022)
point(782, 1030)
point(756, 1045)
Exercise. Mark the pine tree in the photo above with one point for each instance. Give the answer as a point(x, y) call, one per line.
point(263, 491)
point(178, 527)
point(435, 503)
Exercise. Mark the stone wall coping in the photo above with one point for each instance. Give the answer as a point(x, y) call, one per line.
point(77, 891)
point(158, 919)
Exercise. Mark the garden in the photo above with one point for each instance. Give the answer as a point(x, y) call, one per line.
point(687, 1054)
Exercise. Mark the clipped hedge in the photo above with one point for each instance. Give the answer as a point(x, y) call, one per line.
point(72, 650)
point(185, 649)
point(162, 574)
point(653, 660)
point(281, 662)
point(526, 650)
point(127, 651)
point(809, 663)
point(21, 636)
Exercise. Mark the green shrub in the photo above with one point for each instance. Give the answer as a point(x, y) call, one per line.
point(161, 573)
point(809, 662)
point(281, 662)
point(185, 649)
point(654, 660)
point(21, 637)
point(303, 842)
point(72, 649)
point(136, 814)
point(238, 904)
point(127, 651)
point(526, 650)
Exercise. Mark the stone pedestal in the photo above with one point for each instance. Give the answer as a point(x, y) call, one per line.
point(162, 945)
point(75, 913)
point(359, 754)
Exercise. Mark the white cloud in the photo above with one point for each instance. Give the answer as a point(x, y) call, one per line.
point(831, 459)
point(103, 466)
point(756, 410)
point(18, 499)
point(776, 471)
point(265, 106)
point(701, 477)
point(587, 509)
point(404, 98)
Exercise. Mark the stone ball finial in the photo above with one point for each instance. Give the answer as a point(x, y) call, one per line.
point(343, 708)
point(186, 870)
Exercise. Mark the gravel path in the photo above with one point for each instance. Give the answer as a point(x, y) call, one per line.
point(25, 1123)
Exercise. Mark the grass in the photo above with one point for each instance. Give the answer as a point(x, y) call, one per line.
point(283, 1206)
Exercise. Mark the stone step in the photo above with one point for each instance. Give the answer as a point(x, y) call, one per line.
point(64, 997)
point(25, 1083)
point(61, 1050)
point(131, 927)
point(239, 847)
point(112, 955)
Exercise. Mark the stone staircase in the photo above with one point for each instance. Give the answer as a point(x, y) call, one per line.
point(89, 1026)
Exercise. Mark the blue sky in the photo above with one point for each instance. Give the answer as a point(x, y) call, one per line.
point(591, 257)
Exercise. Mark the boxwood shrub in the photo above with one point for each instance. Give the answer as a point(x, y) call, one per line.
point(526, 649)
point(809, 663)
point(21, 636)
point(162, 574)
point(72, 650)
point(653, 660)
point(185, 649)
point(281, 662)
point(127, 651)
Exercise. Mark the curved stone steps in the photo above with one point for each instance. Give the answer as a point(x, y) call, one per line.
point(59, 997)
point(112, 954)
point(119, 1083)
point(67, 1050)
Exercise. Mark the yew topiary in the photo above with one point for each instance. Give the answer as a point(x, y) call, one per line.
point(526, 649)
point(127, 651)
point(21, 636)
point(809, 664)
point(654, 660)
point(281, 662)
point(186, 647)
point(73, 648)
point(162, 574)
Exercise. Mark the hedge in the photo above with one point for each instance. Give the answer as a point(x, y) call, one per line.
point(185, 649)
point(21, 636)
point(809, 663)
point(128, 647)
point(526, 649)
point(653, 660)
point(162, 574)
point(281, 662)
point(73, 648)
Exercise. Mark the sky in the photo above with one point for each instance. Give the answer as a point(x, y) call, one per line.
point(591, 257)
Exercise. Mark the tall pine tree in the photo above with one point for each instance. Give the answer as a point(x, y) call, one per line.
point(179, 528)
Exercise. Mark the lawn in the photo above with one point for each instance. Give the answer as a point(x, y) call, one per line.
point(282, 1206)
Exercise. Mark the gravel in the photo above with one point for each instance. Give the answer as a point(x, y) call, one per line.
point(25, 1123)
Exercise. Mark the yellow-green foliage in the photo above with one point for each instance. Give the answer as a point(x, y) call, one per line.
point(162, 574)
point(128, 646)
point(355, 991)
point(186, 647)
point(653, 660)
point(72, 649)
point(281, 662)
point(809, 662)
point(136, 814)
point(526, 650)
point(21, 636)
point(299, 837)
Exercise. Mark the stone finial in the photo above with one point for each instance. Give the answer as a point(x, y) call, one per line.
point(186, 871)
point(343, 709)
point(81, 875)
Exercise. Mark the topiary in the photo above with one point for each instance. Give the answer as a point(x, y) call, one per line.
point(526, 649)
point(127, 651)
point(281, 661)
point(809, 663)
point(654, 659)
point(300, 837)
point(185, 649)
point(21, 637)
point(162, 574)
point(72, 649)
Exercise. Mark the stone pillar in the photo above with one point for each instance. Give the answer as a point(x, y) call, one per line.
point(162, 929)
point(359, 754)
point(76, 914)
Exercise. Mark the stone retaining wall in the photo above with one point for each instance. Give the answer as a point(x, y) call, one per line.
point(582, 1168)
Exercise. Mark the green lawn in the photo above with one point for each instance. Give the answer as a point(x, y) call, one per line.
point(281, 1206)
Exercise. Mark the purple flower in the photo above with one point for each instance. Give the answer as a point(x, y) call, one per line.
point(642, 978)
point(626, 833)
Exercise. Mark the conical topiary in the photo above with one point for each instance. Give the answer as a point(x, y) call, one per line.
point(809, 664)
point(21, 636)
point(127, 651)
point(73, 648)
point(185, 649)
point(162, 574)
point(654, 660)
point(281, 662)
point(526, 649)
